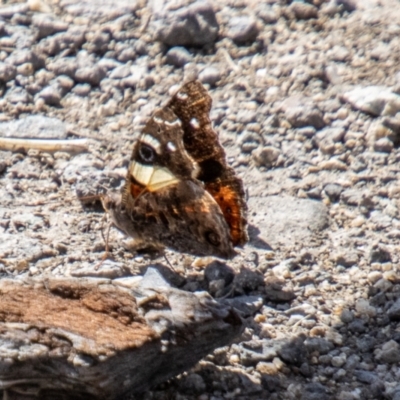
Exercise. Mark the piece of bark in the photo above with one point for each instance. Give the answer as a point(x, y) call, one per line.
point(92, 338)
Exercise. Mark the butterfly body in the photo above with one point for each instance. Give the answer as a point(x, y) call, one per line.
point(179, 192)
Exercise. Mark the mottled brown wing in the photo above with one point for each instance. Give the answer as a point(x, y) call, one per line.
point(162, 202)
point(182, 216)
point(192, 105)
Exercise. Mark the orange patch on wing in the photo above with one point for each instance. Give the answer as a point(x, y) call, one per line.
point(229, 202)
point(136, 189)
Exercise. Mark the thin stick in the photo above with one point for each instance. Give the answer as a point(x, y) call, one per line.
point(47, 145)
point(170, 265)
point(107, 251)
point(229, 60)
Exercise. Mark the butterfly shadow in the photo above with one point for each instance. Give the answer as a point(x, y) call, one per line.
point(169, 276)
point(257, 241)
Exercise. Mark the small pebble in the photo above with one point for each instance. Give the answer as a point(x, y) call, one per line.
point(178, 56)
point(242, 29)
point(210, 76)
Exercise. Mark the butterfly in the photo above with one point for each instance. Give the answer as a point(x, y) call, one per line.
point(180, 193)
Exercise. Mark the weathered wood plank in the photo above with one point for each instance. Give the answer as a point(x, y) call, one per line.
point(93, 338)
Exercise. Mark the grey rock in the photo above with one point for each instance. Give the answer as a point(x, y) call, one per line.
point(107, 269)
point(126, 55)
point(333, 191)
point(18, 95)
point(192, 25)
point(392, 123)
point(396, 395)
point(103, 10)
point(366, 343)
point(7, 72)
point(72, 39)
point(284, 219)
point(394, 311)
point(347, 258)
point(328, 137)
point(353, 361)
point(246, 116)
point(347, 5)
point(365, 376)
point(303, 310)
point(267, 14)
point(353, 197)
point(381, 52)
point(249, 141)
point(139, 77)
point(10, 11)
point(255, 351)
point(359, 164)
point(379, 254)
point(266, 156)
point(153, 278)
point(303, 10)
point(357, 326)
point(51, 95)
point(97, 42)
point(34, 126)
point(242, 29)
point(217, 288)
point(120, 72)
point(92, 75)
point(63, 83)
point(278, 295)
point(294, 352)
point(47, 26)
point(246, 305)
point(23, 56)
point(339, 53)
point(388, 353)
point(307, 131)
point(375, 100)
point(193, 384)
point(248, 279)
point(384, 145)
point(219, 270)
point(25, 69)
point(302, 112)
point(140, 47)
point(27, 220)
point(315, 391)
point(320, 345)
point(19, 246)
point(64, 66)
point(109, 63)
point(178, 56)
point(346, 316)
point(83, 89)
point(210, 75)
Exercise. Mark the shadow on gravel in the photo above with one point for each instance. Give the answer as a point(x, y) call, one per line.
point(255, 240)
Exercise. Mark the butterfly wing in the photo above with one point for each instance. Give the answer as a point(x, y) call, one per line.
point(162, 201)
point(192, 105)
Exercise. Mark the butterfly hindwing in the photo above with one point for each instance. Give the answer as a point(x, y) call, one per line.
point(192, 105)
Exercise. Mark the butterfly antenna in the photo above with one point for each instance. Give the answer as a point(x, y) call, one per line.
point(106, 241)
point(170, 265)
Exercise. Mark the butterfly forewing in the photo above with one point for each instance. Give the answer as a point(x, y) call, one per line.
point(192, 105)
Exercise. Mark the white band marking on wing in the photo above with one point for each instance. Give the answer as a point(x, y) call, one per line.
point(171, 146)
point(195, 123)
point(154, 178)
point(152, 142)
point(176, 122)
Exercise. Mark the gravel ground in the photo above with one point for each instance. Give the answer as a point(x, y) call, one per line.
point(306, 100)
